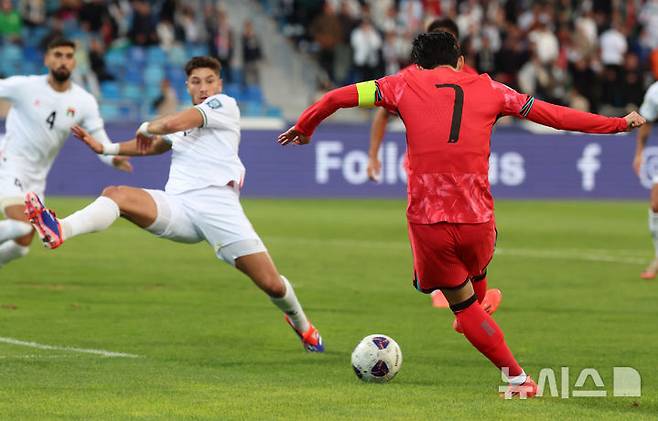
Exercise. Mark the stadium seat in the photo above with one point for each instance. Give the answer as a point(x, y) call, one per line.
point(136, 56)
point(69, 26)
point(134, 74)
point(225, 74)
point(272, 111)
point(181, 92)
point(237, 76)
point(129, 111)
point(30, 68)
point(11, 59)
point(155, 56)
point(109, 111)
point(32, 36)
point(194, 50)
point(251, 108)
point(116, 58)
point(253, 93)
point(110, 90)
point(153, 75)
point(175, 74)
point(234, 90)
point(132, 91)
point(177, 56)
point(32, 54)
point(11, 53)
point(152, 92)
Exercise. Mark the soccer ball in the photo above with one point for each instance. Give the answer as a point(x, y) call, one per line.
point(377, 358)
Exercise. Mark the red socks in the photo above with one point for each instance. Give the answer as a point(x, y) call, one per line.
point(485, 335)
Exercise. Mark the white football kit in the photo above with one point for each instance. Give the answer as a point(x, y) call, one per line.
point(38, 124)
point(201, 200)
point(649, 110)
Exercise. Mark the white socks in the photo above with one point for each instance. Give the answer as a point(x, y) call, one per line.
point(517, 380)
point(10, 229)
point(97, 216)
point(9, 251)
point(653, 228)
point(289, 305)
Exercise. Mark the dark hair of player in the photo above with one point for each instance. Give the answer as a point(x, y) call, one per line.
point(444, 25)
point(205, 62)
point(60, 42)
point(431, 49)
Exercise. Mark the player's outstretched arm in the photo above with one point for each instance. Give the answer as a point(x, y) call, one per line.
point(127, 148)
point(332, 101)
point(122, 163)
point(564, 118)
point(190, 118)
point(377, 131)
point(642, 137)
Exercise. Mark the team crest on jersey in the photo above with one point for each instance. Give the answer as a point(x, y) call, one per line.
point(70, 112)
point(37, 102)
point(214, 103)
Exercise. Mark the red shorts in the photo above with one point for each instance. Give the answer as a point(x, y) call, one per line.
point(446, 255)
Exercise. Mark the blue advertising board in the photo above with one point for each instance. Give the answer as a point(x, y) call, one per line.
point(522, 165)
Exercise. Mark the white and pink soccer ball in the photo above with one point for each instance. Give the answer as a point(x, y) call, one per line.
point(377, 359)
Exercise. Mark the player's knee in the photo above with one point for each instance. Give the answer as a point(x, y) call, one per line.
point(110, 191)
point(460, 293)
point(117, 193)
point(25, 240)
point(275, 287)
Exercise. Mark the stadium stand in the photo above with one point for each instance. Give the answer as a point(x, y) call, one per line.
point(570, 52)
point(127, 50)
point(573, 53)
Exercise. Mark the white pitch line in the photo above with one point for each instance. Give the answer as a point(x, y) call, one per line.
point(588, 255)
point(36, 345)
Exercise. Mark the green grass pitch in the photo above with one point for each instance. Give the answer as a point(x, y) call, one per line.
point(211, 346)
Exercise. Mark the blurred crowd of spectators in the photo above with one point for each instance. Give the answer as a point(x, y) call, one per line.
point(97, 25)
point(596, 55)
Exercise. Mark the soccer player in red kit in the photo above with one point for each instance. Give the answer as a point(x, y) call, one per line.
point(449, 116)
point(492, 297)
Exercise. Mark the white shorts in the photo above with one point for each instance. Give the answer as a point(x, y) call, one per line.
point(654, 179)
point(213, 214)
point(15, 184)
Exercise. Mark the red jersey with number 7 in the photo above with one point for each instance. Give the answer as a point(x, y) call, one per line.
point(449, 116)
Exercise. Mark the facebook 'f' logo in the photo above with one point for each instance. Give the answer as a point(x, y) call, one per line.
point(589, 165)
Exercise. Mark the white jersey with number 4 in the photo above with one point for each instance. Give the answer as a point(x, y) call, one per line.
point(649, 108)
point(40, 121)
point(208, 155)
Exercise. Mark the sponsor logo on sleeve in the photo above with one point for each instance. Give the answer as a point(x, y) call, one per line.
point(214, 104)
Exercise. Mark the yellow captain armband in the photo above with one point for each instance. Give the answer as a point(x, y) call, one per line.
point(367, 93)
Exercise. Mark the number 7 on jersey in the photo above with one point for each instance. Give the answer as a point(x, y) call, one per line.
point(457, 109)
